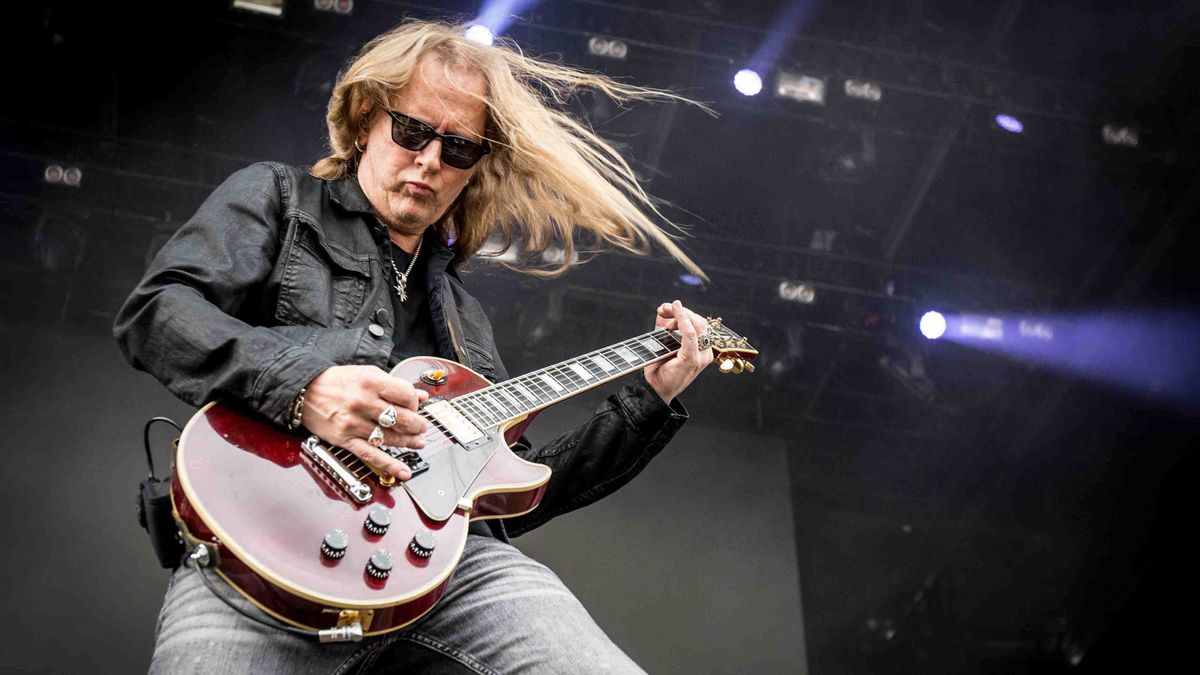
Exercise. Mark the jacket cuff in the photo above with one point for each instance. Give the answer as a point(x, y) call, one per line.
point(282, 380)
point(645, 408)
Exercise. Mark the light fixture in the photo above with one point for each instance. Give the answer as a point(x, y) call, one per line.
point(612, 49)
point(337, 6)
point(796, 291)
point(867, 91)
point(269, 7)
point(747, 82)
point(1009, 123)
point(933, 325)
point(803, 88)
point(480, 34)
point(1115, 135)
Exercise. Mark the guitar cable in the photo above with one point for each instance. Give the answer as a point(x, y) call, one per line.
point(201, 560)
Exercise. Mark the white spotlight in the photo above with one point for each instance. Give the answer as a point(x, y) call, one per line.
point(933, 325)
point(747, 82)
point(480, 34)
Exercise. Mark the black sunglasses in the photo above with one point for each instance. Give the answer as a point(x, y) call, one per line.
point(413, 134)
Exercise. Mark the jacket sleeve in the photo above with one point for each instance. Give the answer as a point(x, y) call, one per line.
point(180, 323)
point(626, 431)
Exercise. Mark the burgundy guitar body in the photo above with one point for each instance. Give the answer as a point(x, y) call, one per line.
point(246, 488)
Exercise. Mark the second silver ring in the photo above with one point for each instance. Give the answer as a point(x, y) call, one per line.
point(387, 418)
point(376, 437)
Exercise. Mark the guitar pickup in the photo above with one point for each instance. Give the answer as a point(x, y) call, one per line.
point(415, 462)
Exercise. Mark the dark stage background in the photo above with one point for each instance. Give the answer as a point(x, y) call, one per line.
point(867, 502)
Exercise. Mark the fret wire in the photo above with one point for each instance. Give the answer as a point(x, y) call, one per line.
point(478, 407)
point(530, 389)
point(494, 400)
point(511, 398)
point(493, 395)
point(520, 387)
point(533, 385)
point(594, 368)
point(571, 377)
point(517, 394)
point(473, 413)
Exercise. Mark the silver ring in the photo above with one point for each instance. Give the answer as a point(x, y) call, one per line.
point(387, 418)
point(376, 437)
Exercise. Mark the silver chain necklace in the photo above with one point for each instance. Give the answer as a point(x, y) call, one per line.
point(402, 278)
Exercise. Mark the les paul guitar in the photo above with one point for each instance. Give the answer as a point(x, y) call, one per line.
point(319, 540)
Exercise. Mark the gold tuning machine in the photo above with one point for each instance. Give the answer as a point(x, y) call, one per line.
point(735, 366)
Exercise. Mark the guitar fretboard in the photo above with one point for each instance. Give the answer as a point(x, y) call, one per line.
point(521, 395)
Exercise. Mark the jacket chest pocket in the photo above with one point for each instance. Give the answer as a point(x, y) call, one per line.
point(321, 284)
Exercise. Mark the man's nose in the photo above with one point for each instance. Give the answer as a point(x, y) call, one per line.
point(431, 155)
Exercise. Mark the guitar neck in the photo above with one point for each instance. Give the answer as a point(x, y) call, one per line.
point(522, 395)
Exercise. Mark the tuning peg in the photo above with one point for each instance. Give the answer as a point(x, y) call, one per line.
point(748, 366)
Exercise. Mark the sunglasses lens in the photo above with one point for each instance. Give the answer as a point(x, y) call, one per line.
point(460, 153)
point(414, 135)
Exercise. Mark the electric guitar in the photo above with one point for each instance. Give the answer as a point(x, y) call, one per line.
point(320, 540)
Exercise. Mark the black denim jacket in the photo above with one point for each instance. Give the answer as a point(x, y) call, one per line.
point(279, 275)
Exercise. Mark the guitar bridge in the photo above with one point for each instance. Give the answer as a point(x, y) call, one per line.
point(320, 455)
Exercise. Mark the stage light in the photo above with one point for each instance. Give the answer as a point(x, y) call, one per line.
point(1009, 123)
point(867, 91)
point(480, 34)
point(1115, 135)
point(338, 6)
point(691, 280)
point(794, 291)
point(612, 49)
point(801, 88)
point(933, 325)
point(271, 7)
point(747, 82)
point(53, 174)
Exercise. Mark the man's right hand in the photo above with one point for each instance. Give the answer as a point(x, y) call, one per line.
point(342, 407)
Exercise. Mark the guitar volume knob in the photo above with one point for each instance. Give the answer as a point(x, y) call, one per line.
point(380, 564)
point(423, 543)
point(378, 520)
point(335, 543)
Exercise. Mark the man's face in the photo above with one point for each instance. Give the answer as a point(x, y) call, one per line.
point(410, 190)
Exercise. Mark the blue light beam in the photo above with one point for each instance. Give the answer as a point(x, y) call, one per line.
point(1154, 353)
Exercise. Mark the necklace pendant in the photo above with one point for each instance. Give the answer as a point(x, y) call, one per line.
point(401, 283)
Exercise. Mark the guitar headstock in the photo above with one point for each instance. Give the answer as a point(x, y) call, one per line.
point(733, 352)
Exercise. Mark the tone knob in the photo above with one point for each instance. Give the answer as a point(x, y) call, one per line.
point(378, 520)
point(423, 543)
point(335, 543)
point(380, 564)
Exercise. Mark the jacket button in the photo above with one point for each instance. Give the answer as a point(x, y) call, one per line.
point(381, 315)
point(376, 330)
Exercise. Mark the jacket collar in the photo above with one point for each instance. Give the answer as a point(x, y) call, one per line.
point(350, 196)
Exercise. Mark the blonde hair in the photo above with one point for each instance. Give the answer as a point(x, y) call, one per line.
point(547, 176)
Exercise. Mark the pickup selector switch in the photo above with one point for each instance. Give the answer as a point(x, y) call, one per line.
point(380, 564)
point(423, 543)
point(335, 543)
point(378, 520)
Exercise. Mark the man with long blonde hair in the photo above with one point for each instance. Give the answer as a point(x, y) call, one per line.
point(291, 291)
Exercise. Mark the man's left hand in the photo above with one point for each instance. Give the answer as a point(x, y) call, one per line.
point(670, 377)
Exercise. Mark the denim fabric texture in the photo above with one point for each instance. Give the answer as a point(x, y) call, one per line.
point(502, 613)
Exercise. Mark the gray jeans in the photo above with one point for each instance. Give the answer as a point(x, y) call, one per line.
point(503, 613)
